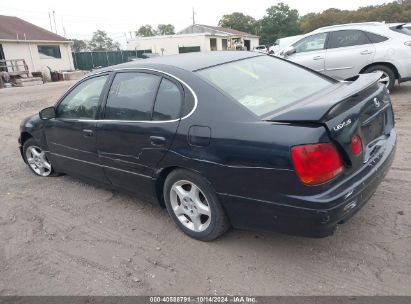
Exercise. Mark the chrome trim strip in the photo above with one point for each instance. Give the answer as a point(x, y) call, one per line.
point(338, 69)
point(146, 121)
point(228, 166)
point(108, 167)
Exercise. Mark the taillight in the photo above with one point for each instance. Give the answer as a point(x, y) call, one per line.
point(407, 43)
point(317, 163)
point(356, 145)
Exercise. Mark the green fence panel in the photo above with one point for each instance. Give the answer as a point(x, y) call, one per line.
point(188, 49)
point(90, 60)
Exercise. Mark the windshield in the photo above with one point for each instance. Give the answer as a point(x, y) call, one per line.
point(403, 29)
point(265, 84)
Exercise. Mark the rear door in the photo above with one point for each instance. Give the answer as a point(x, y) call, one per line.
point(310, 52)
point(348, 52)
point(142, 113)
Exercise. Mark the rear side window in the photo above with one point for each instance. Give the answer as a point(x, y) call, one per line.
point(341, 39)
point(131, 96)
point(376, 38)
point(168, 101)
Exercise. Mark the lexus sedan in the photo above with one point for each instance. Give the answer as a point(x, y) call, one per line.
point(344, 51)
point(220, 140)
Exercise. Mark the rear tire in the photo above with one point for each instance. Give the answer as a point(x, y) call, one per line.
point(193, 205)
point(388, 77)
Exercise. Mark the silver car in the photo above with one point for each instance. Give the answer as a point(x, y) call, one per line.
point(344, 51)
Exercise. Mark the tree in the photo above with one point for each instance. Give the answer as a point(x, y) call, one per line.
point(101, 42)
point(146, 31)
point(396, 11)
point(239, 21)
point(165, 29)
point(79, 45)
point(280, 21)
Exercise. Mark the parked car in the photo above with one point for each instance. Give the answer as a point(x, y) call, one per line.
point(261, 49)
point(344, 51)
point(218, 143)
point(281, 43)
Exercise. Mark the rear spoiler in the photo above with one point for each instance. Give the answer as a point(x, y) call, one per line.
point(318, 107)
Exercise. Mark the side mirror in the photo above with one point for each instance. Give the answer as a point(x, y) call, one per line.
point(289, 50)
point(48, 113)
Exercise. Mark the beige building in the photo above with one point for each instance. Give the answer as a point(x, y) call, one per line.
point(196, 38)
point(38, 47)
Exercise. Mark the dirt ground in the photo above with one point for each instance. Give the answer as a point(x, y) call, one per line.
point(60, 236)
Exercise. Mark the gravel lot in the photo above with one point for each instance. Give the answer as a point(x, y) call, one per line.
point(60, 236)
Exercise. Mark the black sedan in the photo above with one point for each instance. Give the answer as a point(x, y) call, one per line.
point(222, 139)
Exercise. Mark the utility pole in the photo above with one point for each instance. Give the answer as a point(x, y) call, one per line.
point(194, 21)
point(54, 18)
point(51, 26)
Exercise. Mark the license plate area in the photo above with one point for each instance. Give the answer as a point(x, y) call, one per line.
point(374, 128)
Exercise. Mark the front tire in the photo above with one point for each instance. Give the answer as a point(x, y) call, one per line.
point(388, 75)
point(193, 205)
point(36, 159)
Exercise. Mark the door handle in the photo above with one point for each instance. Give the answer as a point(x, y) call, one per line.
point(366, 52)
point(318, 58)
point(88, 133)
point(157, 141)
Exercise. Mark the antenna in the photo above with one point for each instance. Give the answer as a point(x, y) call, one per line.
point(54, 18)
point(64, 29)
point(194, 21)
point(51, 26)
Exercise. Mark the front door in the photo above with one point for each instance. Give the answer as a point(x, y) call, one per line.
point(141, 117)
point(71, 136)
point(310, 52)
point(348, 52)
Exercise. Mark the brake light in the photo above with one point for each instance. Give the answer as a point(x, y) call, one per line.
point(317, 163)
point(407, 43)
point(356, 145)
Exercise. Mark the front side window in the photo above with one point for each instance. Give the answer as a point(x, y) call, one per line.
point(265, 84)
point(82, 101)
point(168, 102)
point(131, 96)
point(341, 39)
point(311, 43)
point(49, 51)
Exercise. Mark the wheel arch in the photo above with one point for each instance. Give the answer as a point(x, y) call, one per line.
point(161, 178)
point(387, 64)
point(24, 136)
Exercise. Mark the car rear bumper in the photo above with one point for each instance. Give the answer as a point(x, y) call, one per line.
point(248, 213)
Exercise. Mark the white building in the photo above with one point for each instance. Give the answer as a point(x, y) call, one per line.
point(38, 47)
point(196, 38)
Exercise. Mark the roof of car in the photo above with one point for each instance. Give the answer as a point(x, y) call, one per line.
point(362, 25)
point(190, 61)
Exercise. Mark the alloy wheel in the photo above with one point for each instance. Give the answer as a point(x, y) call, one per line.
point(385, 78)
point(37, 160)
point(190, 205)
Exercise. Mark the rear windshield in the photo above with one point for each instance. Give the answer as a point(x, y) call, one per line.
point(403, 30)
point(265, 84)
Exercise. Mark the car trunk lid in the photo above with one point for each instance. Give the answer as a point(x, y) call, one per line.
point(359, 108)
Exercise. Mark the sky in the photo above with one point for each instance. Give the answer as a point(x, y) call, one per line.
point(80, 18)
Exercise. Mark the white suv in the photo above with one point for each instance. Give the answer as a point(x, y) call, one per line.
point(344, 51)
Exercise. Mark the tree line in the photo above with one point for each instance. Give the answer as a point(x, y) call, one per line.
point(102, 42)
point(279, 21)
